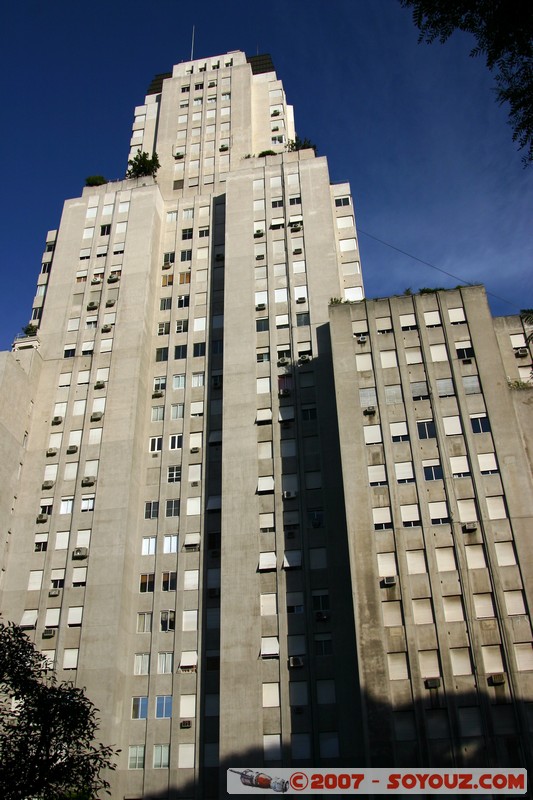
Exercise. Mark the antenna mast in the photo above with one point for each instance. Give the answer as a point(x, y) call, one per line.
point(192, 44)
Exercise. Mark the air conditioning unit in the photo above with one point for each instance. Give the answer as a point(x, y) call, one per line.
point(79, 553)
point(42, 517)
point(361, 339)
point(282, 362)
point(47, 484)
point(301, 300)
point(213, 593)
point(57, 420)
point(296, 228)
point(49, 633)
point(54, 593)
point(92, 306)
point(52, 451)
point(195, 483)
point(71, 449)
point(289, 495)
point(467, 360)
point(113, 279)
point(497, 679)
point(260, 257)
point(178, 156)
point(96, 416)
point(166, 266)
point(521, 352)
point(106, 328)
point(432, 683)
point(109, 303)
point(157, 393)
point(284, 393)
point(304, 357)
point(297, 251)
point(88, 481)
point(195, 449)
point(369, 411)
point(223, 148)
point(260, 307)
point(185, 724)
point(389, 580)
point(295, 662)
point(99, 385)
point(96, 281)
point(470, 527)
point(321, 616)
point(258, 234)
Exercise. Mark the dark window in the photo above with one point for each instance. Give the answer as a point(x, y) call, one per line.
point(433, 473)
point(180, 351)
point(186, 233)
point(198, 349)
point(163, 328)
point(45, 268)
point(147, 582)
point(70, 352)
point(174, 474)
point(277, 203)
point(323, 647)
point(465, 352)
point(480, 424)
point(163, 706)
point(217, 347)
point(419, 390)
point(151, 509)
point(165, 304)
point(302, 319)
point(176, 441)
point(183, 301)
point(168, 620)
point(169, 258)
point(105, 230)
point(161, 354)
point(203, 233)
point(172, 508)
point(295, 201)
point(50, 247)
point(342, 201)
point(169, 581)
point(426, 429)
point(261, 324)
point(186, 255)
point(308, 413)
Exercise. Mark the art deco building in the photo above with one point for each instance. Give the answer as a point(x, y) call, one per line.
point(262, 529)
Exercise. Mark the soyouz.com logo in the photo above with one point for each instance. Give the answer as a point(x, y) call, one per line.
point(248, 780)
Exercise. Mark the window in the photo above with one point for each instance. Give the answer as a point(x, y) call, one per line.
point(170, 543)
point(342, 201)
point(167, 620)
point(388, 358)
point(169, 258)
point(487, 463)
point(261, 324)
point(453, 607)
point(165, 663)
point(397, 664)
point(452, 426)
point(302, 319)
point(66, 505)
point(183, 301)
point(483, 606)
point(161, 354)
point(408, 322)
point(456, 315)
point(471, 384)
point(105, 230)
point(155, 444)
point(160, 384)
point(459, 466)
point(432, 319)
point(136, 756)
point(445, 559)
point(148, 545)
point(438, 352)
point(445, 387)
point(404, 471)
point(439, 513)
point(146, 582)
point(158, 414)
point(372, 434)
point(399, 432)
point(464, 349)
point(393, 394)
point(382, 518)
point(87, 502)
point(172, 508)
point(180, 351)
point(422, 612)
point(174, 474)
point(410, 515)
point(141, 664)
point(169, 581)
point(419, 390)
point(144, 622)
point(175, 442)
point(432, 469)
point(426, 429)
point(198, 349)
point(377, 475)
point(367, 397)
point(151, 509)
point(161, 756)
point(139, 707)
point(480, 423)
point(163, 706)
point(79, 576)
point(323, 644)
point(185, 255)
point(165, 304)
point(163, 328)
point(197, 379)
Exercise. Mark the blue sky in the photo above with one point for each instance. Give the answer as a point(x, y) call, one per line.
point(414, 128)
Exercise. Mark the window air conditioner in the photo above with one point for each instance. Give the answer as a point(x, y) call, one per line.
point(301, 300)
point(369, 411)
point(295, 662)
point(521, 352)
point(389, 580)
point(113, 279)
point(96, 416)
point(361, 339)
point(258, 234)
point(297, 251)
point(320, 616)
point(49, 633)
point(92, 306)
point(71, 449)
point(260, 257)
point(166, 266)
point(52, 451)
point(304, 357)
point(80, 553)
point(57, 420)
point(282, 362)
point(54, 593)
point(178, 155)
point(185, 723)
point(96, 281)
point(260, 307)
point(432, 683)
point(42, 517)
point(470, 527)
point(296, 228)
point(47, 484)
point(109, 303)
point(106, 328)
point(195, 483)
point(157, 393)
point(498, 679)
point(195, 449)
point(88, 481)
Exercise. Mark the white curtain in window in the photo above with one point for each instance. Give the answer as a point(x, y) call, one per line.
point(397, 663)
point(404, 470)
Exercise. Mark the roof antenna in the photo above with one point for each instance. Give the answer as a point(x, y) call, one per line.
point(192, 44)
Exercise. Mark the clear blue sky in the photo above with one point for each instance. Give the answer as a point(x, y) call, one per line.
point(414, 128)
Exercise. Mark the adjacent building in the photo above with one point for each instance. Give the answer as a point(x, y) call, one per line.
point(264, 521)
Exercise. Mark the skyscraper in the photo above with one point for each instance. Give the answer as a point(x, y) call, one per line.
point(189, 536)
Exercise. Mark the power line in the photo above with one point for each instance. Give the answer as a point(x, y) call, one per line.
point(433, 266)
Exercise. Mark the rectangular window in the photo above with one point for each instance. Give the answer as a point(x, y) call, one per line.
point(169, 582)
point(445, 387)
point(471, 384)
point(180, 351)
point(198, 349)
point(404, 471)
point(432, 469)
point(175, 441)
point(161, 354)
point(426, 429)
point(151, 509)
point(174, 474)
point(163, 706)
point(167, 621)
point(165, 304)
point(148, 545)
point(393, 394)
point(158, 414)
point(155, 444)
point(480, 423)
point(372, 434)
point(419, 390)
point(161, 756)
point(146, 582)
point(172, 508)
point(399, 432)
point(141, 664)
point(136, 756)
point(139, 707)
point(452, 426)
point(144, 622)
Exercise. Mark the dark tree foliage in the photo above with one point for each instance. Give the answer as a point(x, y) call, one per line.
point(527, 318)
point(300, 144)
point(95, 180)
point(141, 165)
point(503, 30)
point(47, 729)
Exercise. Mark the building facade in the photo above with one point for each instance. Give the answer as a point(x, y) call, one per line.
point(211, 460)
